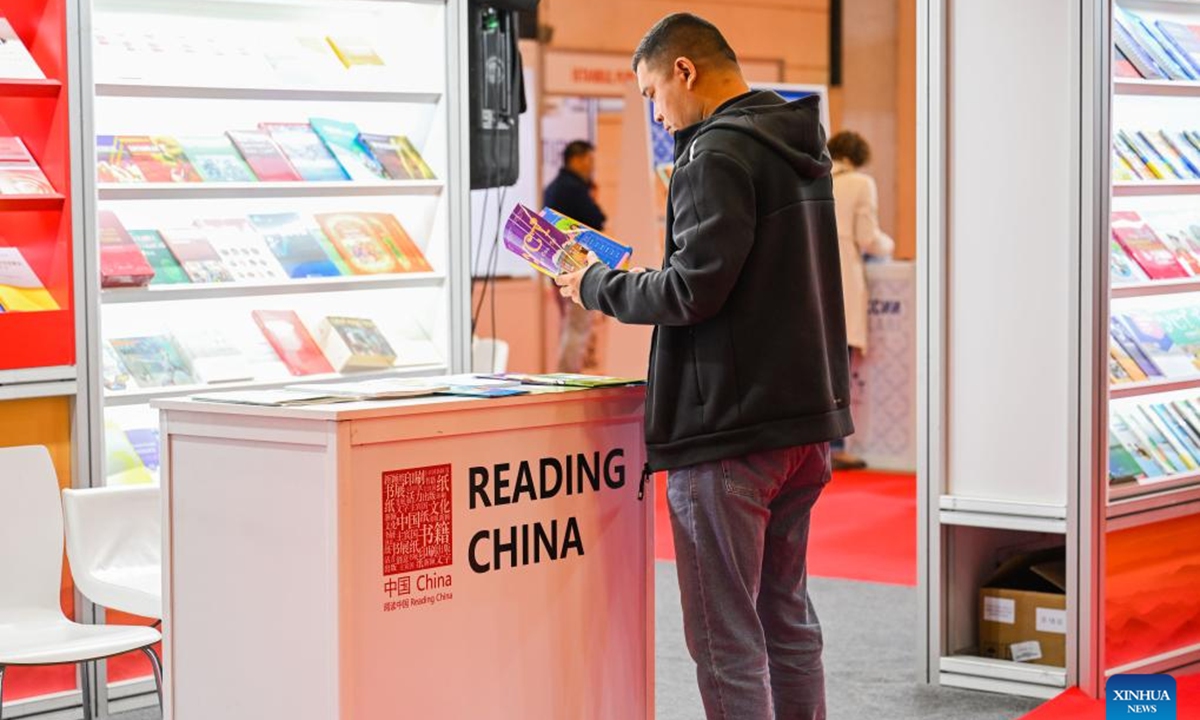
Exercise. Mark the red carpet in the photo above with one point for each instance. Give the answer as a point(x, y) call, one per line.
point(1074, 705)
point(864, 528)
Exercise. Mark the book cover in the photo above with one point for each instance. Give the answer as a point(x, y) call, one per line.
point(20, 288)
point(1122, 171)
point(292, 342)
point(1185, 410)
point(154, 361)
point(145, 442)
point(1145, 248)
point(1132, 24)
point(115, 376)
point(1179, 153)
point(294, 245)
point(1171, 46)
point(1120, 335)
point(216, 159)
point(1182, 324)
point(122, 263)
point(15, 61)
point(160, 158)
point(1116, 374)
point(112, 165)
point(535, 239)
point(1165, 152)
point(304, 149)
point(213, 357)
point(167, 270)
point(1171, 445)
point(1128, 45)
point(1127, 364)
point(242, 250)
point(1159, 168)
point(353, 51)
point(1122, 67)
point(263, 156)
point(1123, 271)
point(1148, 434)
point(1148, 332)
point(387, 228)
point(609, 251)
point(351, 343)
point(19, 172)
point(1180, 424)
point(1176, 434)
point(342, 140)
point(398, 156)
point(196, 255)
point(1122, 465)
point(303, 61)
point(1131, 160)
point(122, 464)
point(1147, 460)
point(356, 240)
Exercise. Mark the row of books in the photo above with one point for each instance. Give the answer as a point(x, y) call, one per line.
point(15, 61)
point(21, 290)
point(1154, 246)
point(260, 248)
point(197, 354)
point(19, 172)
point(131, 454)
point(321, 150)
point(1146, 345)
point(1156, 155)
point(1155, 49)
point(1154, 439)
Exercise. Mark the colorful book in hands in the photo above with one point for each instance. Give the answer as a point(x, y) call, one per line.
point(553, 251)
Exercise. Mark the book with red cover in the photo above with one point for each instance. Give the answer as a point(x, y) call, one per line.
point(160, 158)
point(19, 172)
point(263, 156)
point(388, 228)
point(1146, 249)
point(360, 242)
point(292, 342)
point(122, 263)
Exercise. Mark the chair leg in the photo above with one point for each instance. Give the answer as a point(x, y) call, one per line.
point(85, 686)
point(158, 676)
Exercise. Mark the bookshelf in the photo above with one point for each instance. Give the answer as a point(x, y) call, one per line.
point(266, 190)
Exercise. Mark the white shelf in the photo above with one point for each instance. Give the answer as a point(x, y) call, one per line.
point(38, 375)
point(1141, 188)
point(231, 191)
point(1169, 88)
point(1152, 387)
point(1156, 287)
point(977, 673)
point(142, 397)
point(206, 291)
point(1000, 515)
point(206, 92)
point(26, 391)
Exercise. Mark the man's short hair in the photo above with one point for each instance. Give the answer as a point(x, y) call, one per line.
point(577, 148)
point(683, 35)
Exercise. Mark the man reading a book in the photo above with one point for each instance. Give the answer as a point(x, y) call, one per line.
point(748, 377)
point(572, 193)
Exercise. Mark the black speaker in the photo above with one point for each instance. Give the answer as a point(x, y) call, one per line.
point(497, 92)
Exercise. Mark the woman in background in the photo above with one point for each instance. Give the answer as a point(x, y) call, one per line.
point(856, 200)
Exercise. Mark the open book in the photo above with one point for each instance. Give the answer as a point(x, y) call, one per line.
point(555, 244)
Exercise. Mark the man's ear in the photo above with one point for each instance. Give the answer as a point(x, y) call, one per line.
point(686, 69)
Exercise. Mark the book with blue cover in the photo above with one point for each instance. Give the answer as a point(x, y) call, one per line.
point(342, 140)
point(610, 252)
point(1184, 40)
point(1144, 38)
point(1135, 54)
point(1141, 452)
point(292, 242)
point(305, 151)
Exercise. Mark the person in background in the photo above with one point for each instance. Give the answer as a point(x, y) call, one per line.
point(859, 236)
point(572, 193)
point(749, 378)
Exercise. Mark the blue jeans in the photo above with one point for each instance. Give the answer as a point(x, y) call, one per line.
point(741, 536)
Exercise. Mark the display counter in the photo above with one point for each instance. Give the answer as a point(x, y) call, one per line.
point(438, 558)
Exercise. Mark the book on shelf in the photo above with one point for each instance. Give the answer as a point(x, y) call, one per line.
point(1144, 247)
point(1137, 56)
point(295, 245)
point(1182, 42)
point(354, 51)
point(1180, 151)
point(342, 140)
point(1151, 336)
point(1126, 363)
point(377, 389)
point(398, 156)
point(292, 342)
point(242, 250)
point(1123, 67)
point(1175, 432)
point(1116, 374)
point(372, 243)
point(216, 159)
point(1182, 325)
point(167, 270)
point(351, 343)
point(1122, 171)
point(1132, 24)
point(145, 442)
point(213, 357)
point(122, 463)
point(113, 372)
point(264, 157)
point(1122, 269)
point(19, 172)
point(113, 165)
point(551, 251)
point(1137, 446)
point(196, 255)
point(1130, 159)
point(15, 61)
point(21, 290)
point(1149, 437)
point(154, 361)
point(1160, 434)
point(305, 151)
point(1156, 167)
point(1122, 464)
point(122, 263)
point(159, 158)
point(1165, 152)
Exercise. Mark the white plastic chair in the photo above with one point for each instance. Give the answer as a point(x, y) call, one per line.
point(33, 628)
point(489, 355)
point(114, 543)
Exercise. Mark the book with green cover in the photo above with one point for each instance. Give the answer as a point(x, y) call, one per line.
point(342, 140)
point(216, 159)
point(167, 270)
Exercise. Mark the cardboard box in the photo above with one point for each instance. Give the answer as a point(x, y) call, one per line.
point(1023, 610)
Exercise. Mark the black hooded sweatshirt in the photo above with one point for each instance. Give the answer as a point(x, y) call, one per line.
point(749, 352)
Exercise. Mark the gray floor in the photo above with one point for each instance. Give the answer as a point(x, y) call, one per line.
point(870, 656)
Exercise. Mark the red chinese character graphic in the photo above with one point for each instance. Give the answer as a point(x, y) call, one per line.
point(417, 522)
